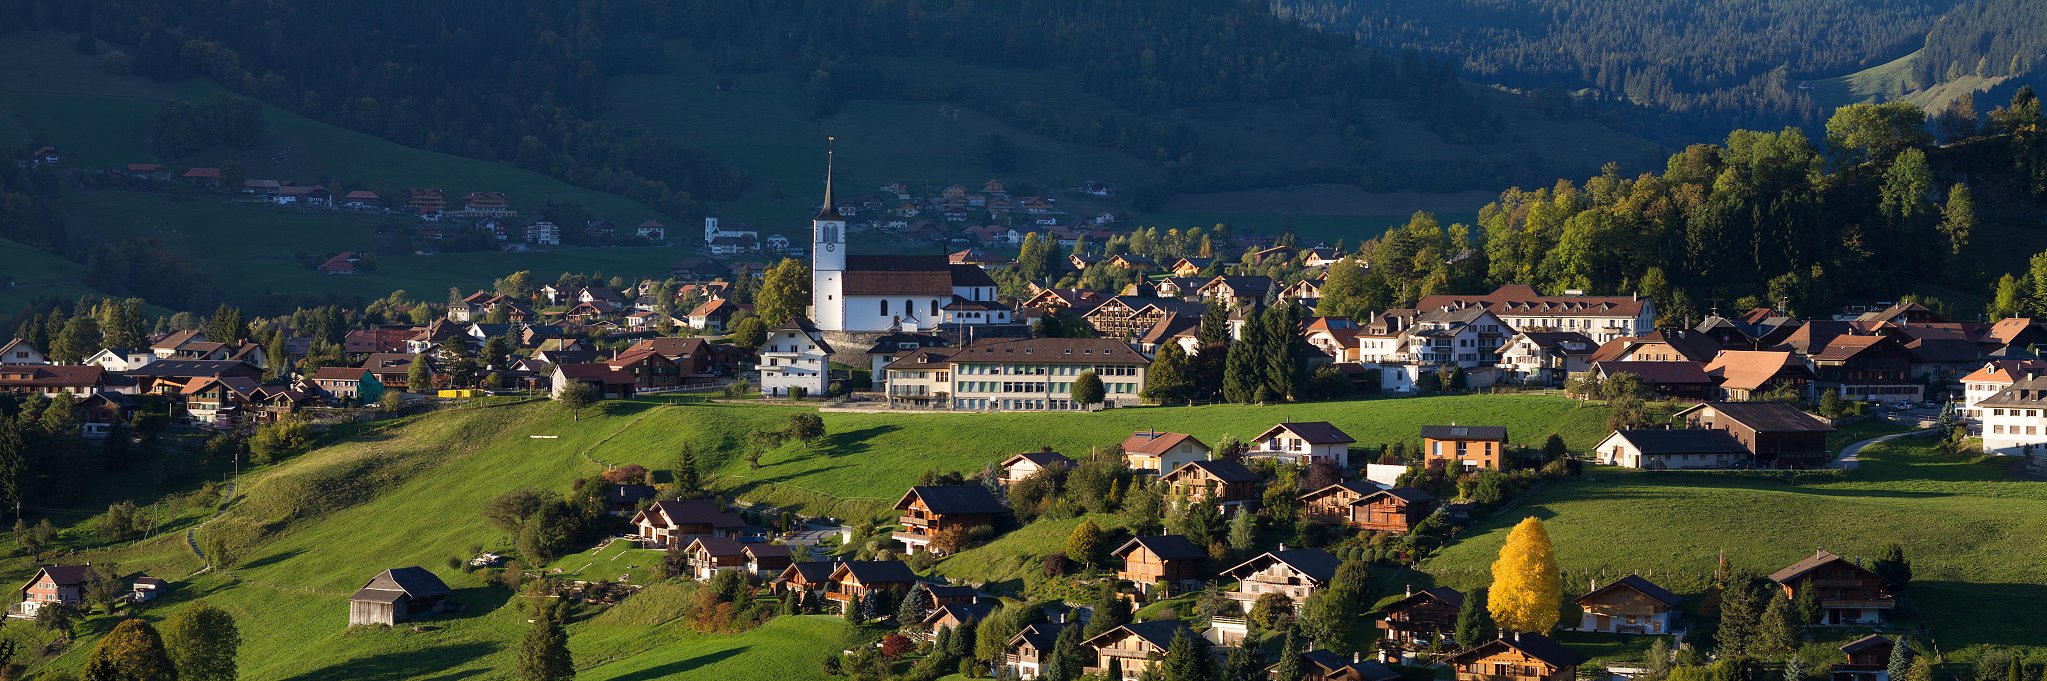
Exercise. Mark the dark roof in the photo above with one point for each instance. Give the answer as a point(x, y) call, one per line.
point(815, 571)
point(1868, 642)
point(961, 613)
point(1315, 432)
point(1165, 546)
point(1682, 441)
point(1792, 572)
point(1039, 458)
point(1223, 469)
point(698, 512)
point(1049, 351)
point(627, 494)
point(1637, 583)
point(1317, 564)
point(189, 367)
point(1496, 433)
point(1442, 594)
point(947, 499)
point(1766, 416)
point(1042, 635)
point(880, 571)
point(66, 575)
point(1659, 372)
point(1158, 632)
point(1536, 646)
point(759, 551)
point(410, 582)
point(971, 275)
point(1332, 663)
point(719, 546)
point(1407, 494)
point(1355, 486)
point(949, 590)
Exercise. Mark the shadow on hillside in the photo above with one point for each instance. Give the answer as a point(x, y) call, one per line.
point(1706, 485)
point(271, 559)
point(410, 664)
point(479, 600)
point(2020, 603)
point(856, 441)
point(673, 668)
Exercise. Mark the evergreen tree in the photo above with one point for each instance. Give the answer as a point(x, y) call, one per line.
point(1212, 342)
point(1778, 631)
point(1893, 567)
point(1527, 589)
point(1186, 659)
point(1901, 658)
point(1110, 611)
point(1656, 662)
point(1084, 544)
point(1067, 656)
point(1285, 351)
point(1288, 667)
point(1243, 532)
point(226, 325)
point(689, 483)
point(1243, 373)
point(202, 641)
point(1806, 605)
point(1474, 619)
point(1171, 377)
point(544, 650)
point(915, 605)
point(1740, 619)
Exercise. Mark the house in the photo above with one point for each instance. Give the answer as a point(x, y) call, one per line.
point(805, 577)
point(53, 584)
point(1744, 375)
point(426, 201)
point(1323, 665)
point(100, 412)
point(1030, 374)
point(715, 315)
point(1235, 290)
point(767, 560)
point(210, 400)
point(647, 368)
point(1305, 443)
point(1629, 605)
point(1029, 650)
point(651, 230)
point(1160, 452)
point(315, 195)
point(148, 171)
point(1662, 449)
point(1294, 573)
point(852, 580)
point(1545, 357)
point(1465, 448)
point(112, 359)
point(348, 383)
point(541, 232)
point(1774, 433)
point(936, 518)
point(146, 588)
point(1305, 292)
point(1135, 647)
point(1602, 318)
point(625, 498)
point(1161, 564)
point(1227, 484)
point(890, 347)
point(692, 356)
point(1849, 594)
point(1018, 467)
point(1365, 506)
point(706, 555)
point(1517, 657)
point(1681, 379)
point(493, 204)
point(608, 381)
point(361, 199)
point(204, 177)
point(795, 360)
point(19, 351)
point(674, 523)
point(1874, 368)
point(1189, 267)
point(1422, 618)
point(1992, 378)
point(51, 379)
point(2014, 420)
point(955, 615)
point(1677, 345)
point(1868, 659)
point(398, 595)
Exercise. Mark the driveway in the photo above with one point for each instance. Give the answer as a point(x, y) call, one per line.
point(1849, 457)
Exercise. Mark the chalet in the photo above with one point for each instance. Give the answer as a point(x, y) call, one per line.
point(1868, 659)
point(1304, 443)
point(1871, 368)
point(101, 412)
point(651, 230)
point(1679, 449)
point(805, 577)
point(20, 351)
point(1234, 290)
point(1629, 605)
point(146, 588)
point(1227, 484)
point(362, 199)
point(1190, 266)
point(765, 561)
point(1518, 657)
point(51, 379)
point(1294, 573)
point(625, 498)
point(1305, 292)
point(1774, 433)
point(398, 595)
point(1323, 665)
point(1849, 594)
point(204, 177)
point(485, 203)
point(1366, 506)
point(715, 315)
point(1744, 375)
point(209, 400)
point(852, 580)
point(1081, 301)
point(675, 523)
point(1677, 345)
point(608, 381)
point(1423, 618)
point(148, 171)
point(1602, 318)
point(315, 195)
point(1545, 357)
point(113, 359)
point(956, 615)
point(1682, 379)
point(1029, 650)
point(951, 594)
point(647, 368)
point(425, 201)
point(932, 512)
point(1163, 564)
point(795, 357)
point(706, 555)
point(394, 369)
point(170, 376)
point(1018, 467)
point(1465, 448)
point(53, 584)
point(1135, 647)
point(692, 356)
point(1161, 453)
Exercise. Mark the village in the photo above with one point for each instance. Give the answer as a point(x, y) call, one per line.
point(972, 332)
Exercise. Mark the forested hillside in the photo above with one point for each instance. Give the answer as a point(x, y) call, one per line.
point(1717, 65)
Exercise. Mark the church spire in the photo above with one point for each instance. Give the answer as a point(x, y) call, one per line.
point(828, 211)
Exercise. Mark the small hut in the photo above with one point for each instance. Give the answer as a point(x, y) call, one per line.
point(398, 595)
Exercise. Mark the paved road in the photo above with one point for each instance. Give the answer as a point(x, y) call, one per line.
point(1849, 455)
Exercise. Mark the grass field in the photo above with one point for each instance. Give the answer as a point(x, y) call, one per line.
point(36, 274)
point(1971, 534)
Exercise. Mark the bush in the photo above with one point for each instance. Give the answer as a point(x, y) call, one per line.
point(275, 441)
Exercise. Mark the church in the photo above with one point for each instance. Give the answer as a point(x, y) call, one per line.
point(857, 294)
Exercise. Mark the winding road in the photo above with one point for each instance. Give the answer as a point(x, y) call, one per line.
point(1850, 454)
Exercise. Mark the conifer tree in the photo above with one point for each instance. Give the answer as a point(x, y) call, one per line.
point(1473, 619)
point(1527, 587)
point(1243, 371)
point(1901, 658)
point(544, 650)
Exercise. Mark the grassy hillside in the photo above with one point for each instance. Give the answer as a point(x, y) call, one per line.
point(1968, 531)
point(36, 274)
point(100, 120)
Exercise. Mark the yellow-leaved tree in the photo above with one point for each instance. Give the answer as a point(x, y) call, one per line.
point(1527, 589)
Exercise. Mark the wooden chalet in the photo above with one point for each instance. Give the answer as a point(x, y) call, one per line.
point(398, 595)
point(951, 594)
point(767, 560)
point(1225, 483)
point(1135, 647)
point(1018, 467)
point(1324, 665)
point(1030, 649)
point(1464, 448)
point(929, 511)
point(851, 580)
point(1365, 505)
point(1518, 657)
point(955, 616)
point(1168, 561)
point(1304, 443)
point(1629, 605)
point(675, 523)
point(1294, 573)
point(1849, 594)
point(1775, 433)
point(810, 576)
point(1868, 659)
point(706, 555)
point(1421, 619)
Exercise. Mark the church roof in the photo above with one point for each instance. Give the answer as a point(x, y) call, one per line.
point(881, 275)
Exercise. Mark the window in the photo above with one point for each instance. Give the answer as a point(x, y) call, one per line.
point(884, 308)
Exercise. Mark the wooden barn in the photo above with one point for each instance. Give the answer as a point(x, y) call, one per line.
point(398, 595)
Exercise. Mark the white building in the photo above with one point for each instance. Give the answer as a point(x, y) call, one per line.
point(869, 294)
point(1993, 378)
point(795, 355)
point(2015, 419)
point(1034, 374)
point(1601, 318)
point(1304, 443)
point(1671, 449)
point(120, 360)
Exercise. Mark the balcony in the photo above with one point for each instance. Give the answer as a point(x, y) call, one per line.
point(909, 391)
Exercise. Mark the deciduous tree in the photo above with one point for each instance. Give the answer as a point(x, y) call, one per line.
point(202, 641)
point(1527, 588)
point(131, 652)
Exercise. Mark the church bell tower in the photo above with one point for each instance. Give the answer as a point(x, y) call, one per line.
point(828, 258)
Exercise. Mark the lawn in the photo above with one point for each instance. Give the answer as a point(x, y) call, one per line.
point(36, 274)
point(617, 561)
point(784, 649)
point(1971, 534)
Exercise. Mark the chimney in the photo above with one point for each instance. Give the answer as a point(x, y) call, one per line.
point(1356, 657)
point(1410, 589)
point(1282, 546)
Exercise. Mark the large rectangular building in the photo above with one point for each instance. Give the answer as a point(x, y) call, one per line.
point(1034, 374)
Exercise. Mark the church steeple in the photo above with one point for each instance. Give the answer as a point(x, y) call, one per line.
point(829, 211)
